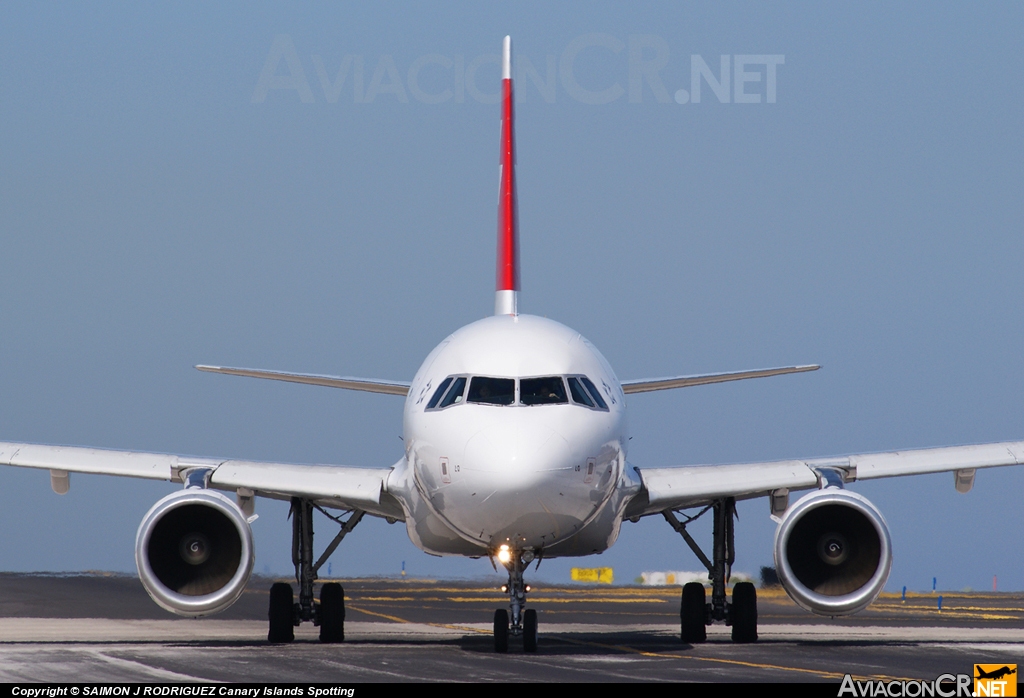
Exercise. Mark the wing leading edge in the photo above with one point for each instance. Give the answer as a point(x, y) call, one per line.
point(687, 486)
point(368, 385)
point(648, 384)
point(373, 385)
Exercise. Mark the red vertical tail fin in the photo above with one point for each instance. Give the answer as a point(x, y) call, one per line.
point(506, 301)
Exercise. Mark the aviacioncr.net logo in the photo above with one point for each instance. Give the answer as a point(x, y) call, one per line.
point(995, 680)
point(945, 686)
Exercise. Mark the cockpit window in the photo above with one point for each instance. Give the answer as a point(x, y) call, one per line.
point(592, 389)
point(546, 390)
point(542, 391)
point(454, 394)
point(439, 393)
point(492, 391)
point(579, 393)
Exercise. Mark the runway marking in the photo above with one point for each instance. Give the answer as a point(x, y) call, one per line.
point(492, 599)
point(736, 662)
point(462, 590)
point(156, 673)
point(955, 612)
point(360, 669)
point(931, 607)
point(660, 597)
point(548, 590)
point(642, 614)
point(567, 599)
point(387, 598)
point(642, 596)
point(1013, 648)
point(546, 599)
point(410, 622)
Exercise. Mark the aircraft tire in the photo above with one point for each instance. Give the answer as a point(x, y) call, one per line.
point(282, 628)
point(501, 630)
point(744, 613)
point(530, 630)
point(332, 613)
point(692, 613)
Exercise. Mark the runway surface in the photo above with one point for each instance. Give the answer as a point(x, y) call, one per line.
point(105, 628)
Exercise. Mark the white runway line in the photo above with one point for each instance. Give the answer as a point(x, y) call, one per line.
point(152, 673)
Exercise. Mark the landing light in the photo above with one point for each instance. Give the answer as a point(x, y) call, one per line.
point(504, 554)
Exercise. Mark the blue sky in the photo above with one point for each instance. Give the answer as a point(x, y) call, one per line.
point(157, 212)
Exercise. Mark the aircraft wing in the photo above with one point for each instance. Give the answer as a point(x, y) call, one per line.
point(648, 384)
point(696, 485)
point(341, 487)
point(368, 385)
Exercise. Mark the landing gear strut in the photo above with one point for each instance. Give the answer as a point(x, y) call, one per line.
point(517, 620)
point(694, 613)
point(329, 614)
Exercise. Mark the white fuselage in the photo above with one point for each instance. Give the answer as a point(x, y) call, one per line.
point(551, 478)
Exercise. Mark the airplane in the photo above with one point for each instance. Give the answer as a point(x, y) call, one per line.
point(515, 449)
point(995, 673)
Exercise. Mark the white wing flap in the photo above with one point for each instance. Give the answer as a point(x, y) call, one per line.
point(155, 466)
point(358, 487)
point(676, 488)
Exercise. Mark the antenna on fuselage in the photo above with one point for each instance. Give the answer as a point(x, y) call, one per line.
point(505, 300)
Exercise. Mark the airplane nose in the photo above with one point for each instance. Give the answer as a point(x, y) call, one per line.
point(519, 479)
point(516, 456)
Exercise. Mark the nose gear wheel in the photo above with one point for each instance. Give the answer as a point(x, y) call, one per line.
point(517, 621)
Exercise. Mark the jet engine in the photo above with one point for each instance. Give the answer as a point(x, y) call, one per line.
point(194, 551)
point(832, 552)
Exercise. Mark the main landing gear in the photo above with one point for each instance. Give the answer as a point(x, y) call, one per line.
point(517, 621)
point(329, 613)
point(694, 613)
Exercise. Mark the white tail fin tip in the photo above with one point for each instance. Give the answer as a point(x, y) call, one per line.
point(506, 59)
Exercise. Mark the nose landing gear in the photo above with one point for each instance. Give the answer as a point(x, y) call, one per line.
point(517, 621)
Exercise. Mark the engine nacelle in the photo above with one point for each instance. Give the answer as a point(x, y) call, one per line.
point(833, 552)
point(195, 552)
